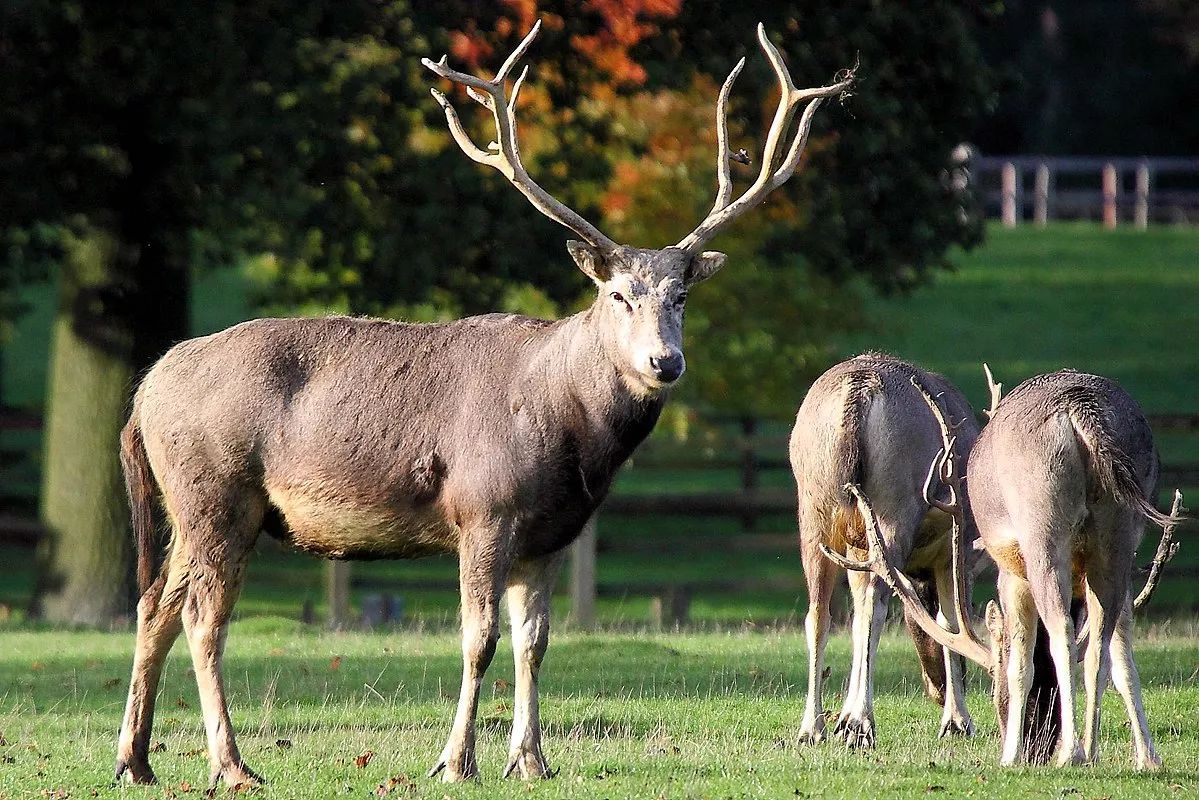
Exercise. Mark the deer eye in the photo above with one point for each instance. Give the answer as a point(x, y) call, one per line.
point(618, 297)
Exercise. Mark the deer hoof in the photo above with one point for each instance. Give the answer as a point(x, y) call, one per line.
point(811, 734)
point(858, 734)
point(1071, 755)
point(234, 776)
point(1149, 762)
point(528, 764)
point(957, 726)
point(134, 770)
point(455, 767)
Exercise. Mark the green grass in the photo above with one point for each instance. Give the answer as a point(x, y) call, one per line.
point(1120, 303)
point(626, 715)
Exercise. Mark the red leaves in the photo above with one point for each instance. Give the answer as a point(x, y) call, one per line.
point(362, 760)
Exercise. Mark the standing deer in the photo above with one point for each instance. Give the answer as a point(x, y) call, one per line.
point(494, 437)
point(865, 421)
point(1060, 482)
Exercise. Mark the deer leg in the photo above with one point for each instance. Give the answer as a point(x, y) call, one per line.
point(1097, 664)
point(216, 534)
point(1128, 684)
point(159, 621)
point(870, 614)
point(482, 573)
point(821, 575)
point(529, 589)
point(1051, 592)
point(955, 719)
point(1020, 615)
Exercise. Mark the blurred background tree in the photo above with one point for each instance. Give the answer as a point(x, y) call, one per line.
point(145, 143)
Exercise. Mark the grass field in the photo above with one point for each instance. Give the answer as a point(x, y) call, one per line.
point(626, 715)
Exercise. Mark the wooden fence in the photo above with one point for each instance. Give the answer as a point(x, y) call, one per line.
point(748, 453)
point(1114, 190)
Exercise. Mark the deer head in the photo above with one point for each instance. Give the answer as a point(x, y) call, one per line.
point(641, 292)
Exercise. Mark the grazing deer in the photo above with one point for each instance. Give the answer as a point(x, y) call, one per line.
point(864, 421)
point(494, 437)
point(1060, 482)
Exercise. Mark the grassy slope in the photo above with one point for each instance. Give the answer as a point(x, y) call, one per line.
point(627, 715)
point(1121, 303)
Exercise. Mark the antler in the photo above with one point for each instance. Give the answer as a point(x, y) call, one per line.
point(964, 642)
point(1166, 550)
point(996, 391)
point(776, 169)
point(504, 154)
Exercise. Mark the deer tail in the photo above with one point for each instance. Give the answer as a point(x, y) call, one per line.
point(1113, 468)
point(139, 485)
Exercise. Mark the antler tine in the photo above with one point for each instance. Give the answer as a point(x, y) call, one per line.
point(774, 171)
point(1166, 549)
point(996, 391)
point(724, 178)
point(505, 155)
point(951, 477)
point(964, 642)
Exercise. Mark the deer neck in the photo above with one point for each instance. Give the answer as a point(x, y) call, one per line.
point(592, 392)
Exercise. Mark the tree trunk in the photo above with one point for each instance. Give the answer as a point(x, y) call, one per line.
point(85, 557)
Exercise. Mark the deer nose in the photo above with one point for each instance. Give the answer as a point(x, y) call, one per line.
point(667, 368)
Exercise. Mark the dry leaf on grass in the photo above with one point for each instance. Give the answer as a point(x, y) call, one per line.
point(335, 664)
point(362, 760)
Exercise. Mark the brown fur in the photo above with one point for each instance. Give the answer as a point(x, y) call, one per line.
point(864, 422)
point(1060, 482)
point(493, 437)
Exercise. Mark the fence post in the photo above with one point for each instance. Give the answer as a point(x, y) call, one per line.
point(582, 576)
point(337, 590)
point(1141, 209)
point(1008, 193)
point(1110, 195)
point(1041, 189)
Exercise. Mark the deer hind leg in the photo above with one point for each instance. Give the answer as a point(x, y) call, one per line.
point(1051, 590)
point(482, 573)
point(218, 535)
point(1128, 683)
point(821, 575)
point(159, 621)
point(529, 588)
point(1020, 614)
point(1107, 570)
point(955, 718)
point(871, 595)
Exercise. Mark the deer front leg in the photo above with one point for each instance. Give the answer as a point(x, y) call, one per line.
point(482, 572)
point(529, 589)
point(955, 719)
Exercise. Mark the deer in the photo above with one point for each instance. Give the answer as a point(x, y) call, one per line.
point(1059, 486)
point(864, 421)
point(494, 437)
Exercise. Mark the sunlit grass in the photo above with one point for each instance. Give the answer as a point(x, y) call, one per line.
point(626, 715)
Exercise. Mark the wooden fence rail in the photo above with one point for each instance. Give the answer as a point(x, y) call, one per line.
point(748, 452)
point(1094, 188)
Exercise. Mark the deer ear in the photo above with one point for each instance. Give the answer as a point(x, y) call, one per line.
point(704, 266)
point(589, 260)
